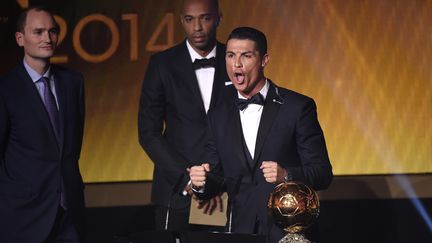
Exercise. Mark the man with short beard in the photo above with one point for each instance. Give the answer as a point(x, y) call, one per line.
point(181, 84)
point(261, 136)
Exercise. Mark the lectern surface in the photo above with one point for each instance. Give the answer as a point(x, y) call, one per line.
point(189, 237)
point(151, 236)
point(217, 237)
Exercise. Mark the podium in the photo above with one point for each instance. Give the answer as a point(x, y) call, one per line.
point(189, 237)
point(218, 237)
point(151, 236)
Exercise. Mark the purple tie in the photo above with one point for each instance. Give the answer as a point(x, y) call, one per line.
point(51, 106)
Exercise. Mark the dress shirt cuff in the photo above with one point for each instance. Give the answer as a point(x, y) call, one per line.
point(195, 190)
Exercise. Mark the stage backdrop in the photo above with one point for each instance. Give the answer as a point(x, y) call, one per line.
point(366, 63)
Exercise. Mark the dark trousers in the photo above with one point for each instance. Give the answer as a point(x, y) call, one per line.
point(63, 230)
point(178, 219)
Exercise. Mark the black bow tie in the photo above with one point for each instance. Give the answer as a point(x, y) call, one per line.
point(256, 99)
point(204, 63)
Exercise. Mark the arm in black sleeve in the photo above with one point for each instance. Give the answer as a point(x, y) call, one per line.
point(81, 103)
point(151, 114)
point(3, 128)
point(316, 169)
point(215, 182)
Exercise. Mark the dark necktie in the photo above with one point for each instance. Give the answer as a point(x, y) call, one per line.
point(204, 63)
point(51, 106)
point(256, 99)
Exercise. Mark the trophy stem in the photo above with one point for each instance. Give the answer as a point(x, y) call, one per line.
point(294, 238)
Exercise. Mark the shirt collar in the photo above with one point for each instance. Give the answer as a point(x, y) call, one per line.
point(35, 76)
point(263, 91)
point(194, 55)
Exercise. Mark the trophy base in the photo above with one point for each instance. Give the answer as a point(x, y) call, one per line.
point(294, 238)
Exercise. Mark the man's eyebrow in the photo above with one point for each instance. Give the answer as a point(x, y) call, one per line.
point(246, 52)
point(201, 15)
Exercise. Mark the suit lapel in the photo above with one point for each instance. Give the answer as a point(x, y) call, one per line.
point(32, 93)
point(60, 86)
point(234, 129)
point(35, 99)
point(220, 75)
point(189, 75)
point(270, 111)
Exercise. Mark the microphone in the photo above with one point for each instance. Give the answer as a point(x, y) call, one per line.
point(232, 202)
point(173, 192)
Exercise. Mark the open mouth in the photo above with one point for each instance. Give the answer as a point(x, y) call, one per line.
point(239, 76)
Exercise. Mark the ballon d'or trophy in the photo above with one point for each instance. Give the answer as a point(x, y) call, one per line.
point(294, 207)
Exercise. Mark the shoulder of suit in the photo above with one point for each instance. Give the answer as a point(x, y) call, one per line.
point(180, 49)
point(58, 68)
point(170, 52)
point(63, 71)
point(291, 94)
point(11, 75)
point(221, 46)
point(71, 77)
point(229, 95)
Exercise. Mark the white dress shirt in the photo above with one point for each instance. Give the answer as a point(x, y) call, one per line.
point(205, 76)
point(250, 119)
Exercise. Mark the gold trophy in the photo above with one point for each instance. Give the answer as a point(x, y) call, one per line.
point(294, 207)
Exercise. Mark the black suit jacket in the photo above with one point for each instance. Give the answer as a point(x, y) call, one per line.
point(172, 120)
point(289, 133)
point(32, 162)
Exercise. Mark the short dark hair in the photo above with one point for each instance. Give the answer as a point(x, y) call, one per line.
point(249, 33)
point(22, 18)
point(215, 4)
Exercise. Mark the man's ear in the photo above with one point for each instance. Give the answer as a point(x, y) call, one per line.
point(219, 19)
point(265, 60)
point(19, 37)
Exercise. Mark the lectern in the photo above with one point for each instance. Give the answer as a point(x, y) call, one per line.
point(218, 237)
point(151, 236)
point(189, 237)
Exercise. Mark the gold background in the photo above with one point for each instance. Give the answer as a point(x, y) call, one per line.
point(367, 64)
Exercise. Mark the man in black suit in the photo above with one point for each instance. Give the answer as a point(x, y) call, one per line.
point(263, 134)
point(180, 86)
point(41, 130)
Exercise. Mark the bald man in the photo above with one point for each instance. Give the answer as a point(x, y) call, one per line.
point(181, 84)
